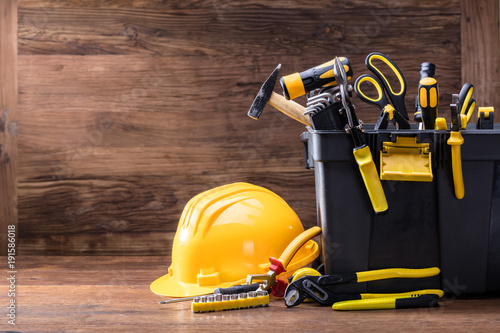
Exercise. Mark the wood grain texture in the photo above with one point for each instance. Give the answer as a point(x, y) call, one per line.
point(103, 294)
point(8, 119)
point(127, 109)
point(480, 50)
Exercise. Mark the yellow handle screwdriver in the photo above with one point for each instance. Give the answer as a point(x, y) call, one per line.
point(298, 84)
point(428, 96)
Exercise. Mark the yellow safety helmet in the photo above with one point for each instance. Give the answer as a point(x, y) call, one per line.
point(227, 233)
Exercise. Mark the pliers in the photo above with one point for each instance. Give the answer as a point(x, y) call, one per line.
point(320, 288)
point(462, 107)
point(278, 266)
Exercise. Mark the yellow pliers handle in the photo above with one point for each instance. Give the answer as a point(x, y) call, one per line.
point(428, 297)
point(381, 274)
point(297, 243)
point(278, 266)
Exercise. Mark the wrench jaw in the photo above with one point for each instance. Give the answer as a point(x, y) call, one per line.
point(268, 280)
point(294, 296)
point(312, 287)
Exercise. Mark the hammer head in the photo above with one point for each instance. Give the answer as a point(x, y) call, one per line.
point(264, 94)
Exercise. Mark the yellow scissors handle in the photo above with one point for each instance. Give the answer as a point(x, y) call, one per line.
point(397, 98)
point(468, 104)
point(380, 101)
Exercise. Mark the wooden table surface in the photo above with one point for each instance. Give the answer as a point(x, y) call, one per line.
point(94, 294)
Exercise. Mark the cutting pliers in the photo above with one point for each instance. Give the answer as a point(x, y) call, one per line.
point(361, 151)
point(462, 107)
point(278, 266)
point(321, 289)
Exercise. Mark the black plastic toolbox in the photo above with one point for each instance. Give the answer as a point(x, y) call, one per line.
point(426, 225)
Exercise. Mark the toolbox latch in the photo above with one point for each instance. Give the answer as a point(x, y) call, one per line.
point(405, 160)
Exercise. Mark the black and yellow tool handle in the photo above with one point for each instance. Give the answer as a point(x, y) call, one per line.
point(415, 293)
point(428, 95)
point(364, 158)
point(381, 274)
point(242, 288)
point(298, 84)
point(467, 103)
point(292, 109)
point(426, 300)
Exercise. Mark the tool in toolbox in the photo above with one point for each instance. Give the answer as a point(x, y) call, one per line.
point(322, 76)
point(324, 289)
point(324, 105)
point(462, 107)
point(325, 109)
point(396, 113)
point(266, 95)
point(227, 233)
point(426, 105)
point(361, 151)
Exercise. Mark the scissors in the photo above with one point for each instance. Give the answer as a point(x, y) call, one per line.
point(397, 113)
point(466, 105)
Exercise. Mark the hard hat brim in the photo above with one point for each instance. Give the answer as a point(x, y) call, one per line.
point(168, 286)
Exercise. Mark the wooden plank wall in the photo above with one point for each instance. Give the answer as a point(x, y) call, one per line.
point(481, 50)
point(8, 119)
point(127, 109)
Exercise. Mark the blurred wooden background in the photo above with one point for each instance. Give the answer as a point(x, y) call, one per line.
point(127, 109)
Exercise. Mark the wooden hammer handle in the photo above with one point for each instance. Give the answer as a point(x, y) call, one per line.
point(290, 108)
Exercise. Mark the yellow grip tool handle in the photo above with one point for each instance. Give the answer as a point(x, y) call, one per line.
point(415, 293)
point(370, 304)
point(297, 243)
point(428, 99)
point(371, 179)
point(468, 103)
point(297, 84)
point(399, 302)
point(455, 141)
point(390, 273)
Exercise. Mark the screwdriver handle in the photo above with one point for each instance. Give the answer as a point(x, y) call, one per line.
point(428, 95)
point(243, 288)
point(298, 84)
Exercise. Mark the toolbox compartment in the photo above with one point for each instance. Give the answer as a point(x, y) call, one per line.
point(425, 226)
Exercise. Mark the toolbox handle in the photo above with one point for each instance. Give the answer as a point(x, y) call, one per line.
point(304, 137)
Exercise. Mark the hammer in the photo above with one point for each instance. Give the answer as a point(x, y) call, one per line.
point(267, 95)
